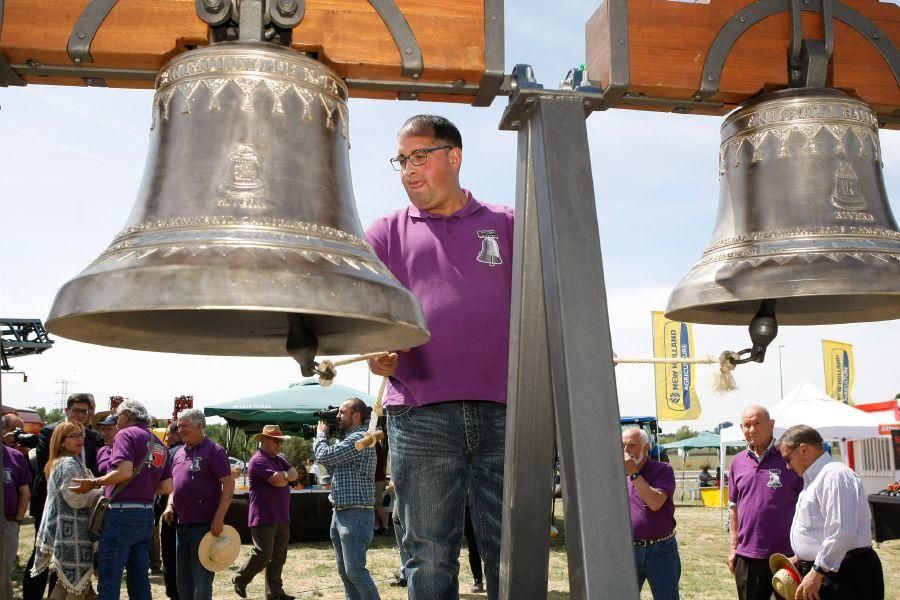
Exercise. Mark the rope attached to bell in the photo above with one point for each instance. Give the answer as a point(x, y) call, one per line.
point(723, 381)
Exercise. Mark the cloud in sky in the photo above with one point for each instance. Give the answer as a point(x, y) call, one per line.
point(71, 162)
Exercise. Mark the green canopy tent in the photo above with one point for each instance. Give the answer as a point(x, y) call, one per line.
point(290, 409)
point(704, 440)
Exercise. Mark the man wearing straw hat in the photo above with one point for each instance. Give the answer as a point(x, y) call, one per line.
point(762, 494)
point(270, 514)
point(353, 495)
point(831, 533)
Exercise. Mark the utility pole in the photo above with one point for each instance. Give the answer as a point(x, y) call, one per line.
point(63, 392)
point(780, 375)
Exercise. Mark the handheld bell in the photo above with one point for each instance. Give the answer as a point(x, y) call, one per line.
point(244, 239)
point(803, 218)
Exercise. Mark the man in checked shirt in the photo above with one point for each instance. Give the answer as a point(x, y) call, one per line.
point(353, 496)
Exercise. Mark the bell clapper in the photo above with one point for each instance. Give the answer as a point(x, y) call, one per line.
point(302, 344)
point(763, 329)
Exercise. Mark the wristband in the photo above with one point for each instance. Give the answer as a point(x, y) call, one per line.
point(820, 570)
point(634, 476)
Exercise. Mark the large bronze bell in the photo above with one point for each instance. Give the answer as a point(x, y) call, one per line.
point(245, 227)
point(804, 221)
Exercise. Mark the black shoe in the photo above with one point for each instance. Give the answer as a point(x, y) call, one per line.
point(239, 588)
point(284, 596)
point(398, 582)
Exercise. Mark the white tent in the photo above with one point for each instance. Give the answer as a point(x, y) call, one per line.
point(808, 405)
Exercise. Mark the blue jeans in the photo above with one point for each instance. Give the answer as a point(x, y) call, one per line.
point(351, 534)
point(661, 566)
point(125, 544)
point(437, 453)
point(193, 580)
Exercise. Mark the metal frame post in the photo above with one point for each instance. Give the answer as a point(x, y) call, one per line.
point(558, 240)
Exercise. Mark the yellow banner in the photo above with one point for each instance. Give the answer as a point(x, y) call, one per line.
point(676, 399)
point(838, 370)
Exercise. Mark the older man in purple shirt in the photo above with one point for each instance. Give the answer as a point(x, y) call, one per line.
point(762, 495)
point(651, 485)
point(270, 514)
point(139, 462)
point(203, 487)
point(446, 402)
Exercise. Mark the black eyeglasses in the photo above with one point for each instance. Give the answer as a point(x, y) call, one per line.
point(416, 157)
point(787, 457)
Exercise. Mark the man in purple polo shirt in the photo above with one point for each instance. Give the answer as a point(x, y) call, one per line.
point(651, 485)
point(106, 427)
point(270, 514)
point(446, 402)
point(140, 462)
point(16, 494)
point(203, 487)
point(762, 496)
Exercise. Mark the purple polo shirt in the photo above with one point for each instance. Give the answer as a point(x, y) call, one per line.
point(196, 473)
point(460, 269)
point(15, 474)
point(765, 493)
point(133, 444)
point(645, 523)
point(103, 460)
point(269, 505)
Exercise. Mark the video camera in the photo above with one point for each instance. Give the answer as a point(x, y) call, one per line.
point(329, 415)
point(26, 440)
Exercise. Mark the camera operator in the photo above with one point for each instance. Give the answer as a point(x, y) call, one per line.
point(15, 437)
point(352, 494)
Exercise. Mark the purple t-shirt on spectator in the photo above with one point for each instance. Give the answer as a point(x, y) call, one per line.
point(15, 474)
point(269, 505)
point(103, 455)
point(196, 473)
point(645, 523)
point(460, 268)
point(765, 493)
point(133, 444)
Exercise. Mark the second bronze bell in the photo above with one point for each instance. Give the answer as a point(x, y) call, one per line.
point(803, 219)
point(245, 226)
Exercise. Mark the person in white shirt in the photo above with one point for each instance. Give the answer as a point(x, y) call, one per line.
point(831, 533)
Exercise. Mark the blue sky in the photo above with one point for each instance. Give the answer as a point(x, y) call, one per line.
point(71, 161)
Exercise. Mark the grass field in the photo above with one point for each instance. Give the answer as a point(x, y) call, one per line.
point(310, 571)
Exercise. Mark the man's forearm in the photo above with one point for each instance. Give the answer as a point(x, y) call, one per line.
point(24, 498)
point(225, 498)
point(732, 527)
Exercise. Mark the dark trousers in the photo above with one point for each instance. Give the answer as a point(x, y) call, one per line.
point(753, 578)
point(33, 588)
point(269, 552)
point(859, 576)
point(474, 556)
point(169, 560)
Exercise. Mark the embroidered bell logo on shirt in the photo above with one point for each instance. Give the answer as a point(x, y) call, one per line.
point(774, 478)
point(490, 249)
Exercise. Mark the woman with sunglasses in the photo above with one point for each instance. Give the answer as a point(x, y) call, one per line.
point(64, 544)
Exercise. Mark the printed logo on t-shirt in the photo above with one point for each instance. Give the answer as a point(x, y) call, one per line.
point(158, 455)
point(490, 248)
point(7, 476)
point(774, 478)
point(195, 464)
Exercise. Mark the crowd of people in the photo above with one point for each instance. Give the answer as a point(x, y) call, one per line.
point(446, 416)
point(799, 522)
